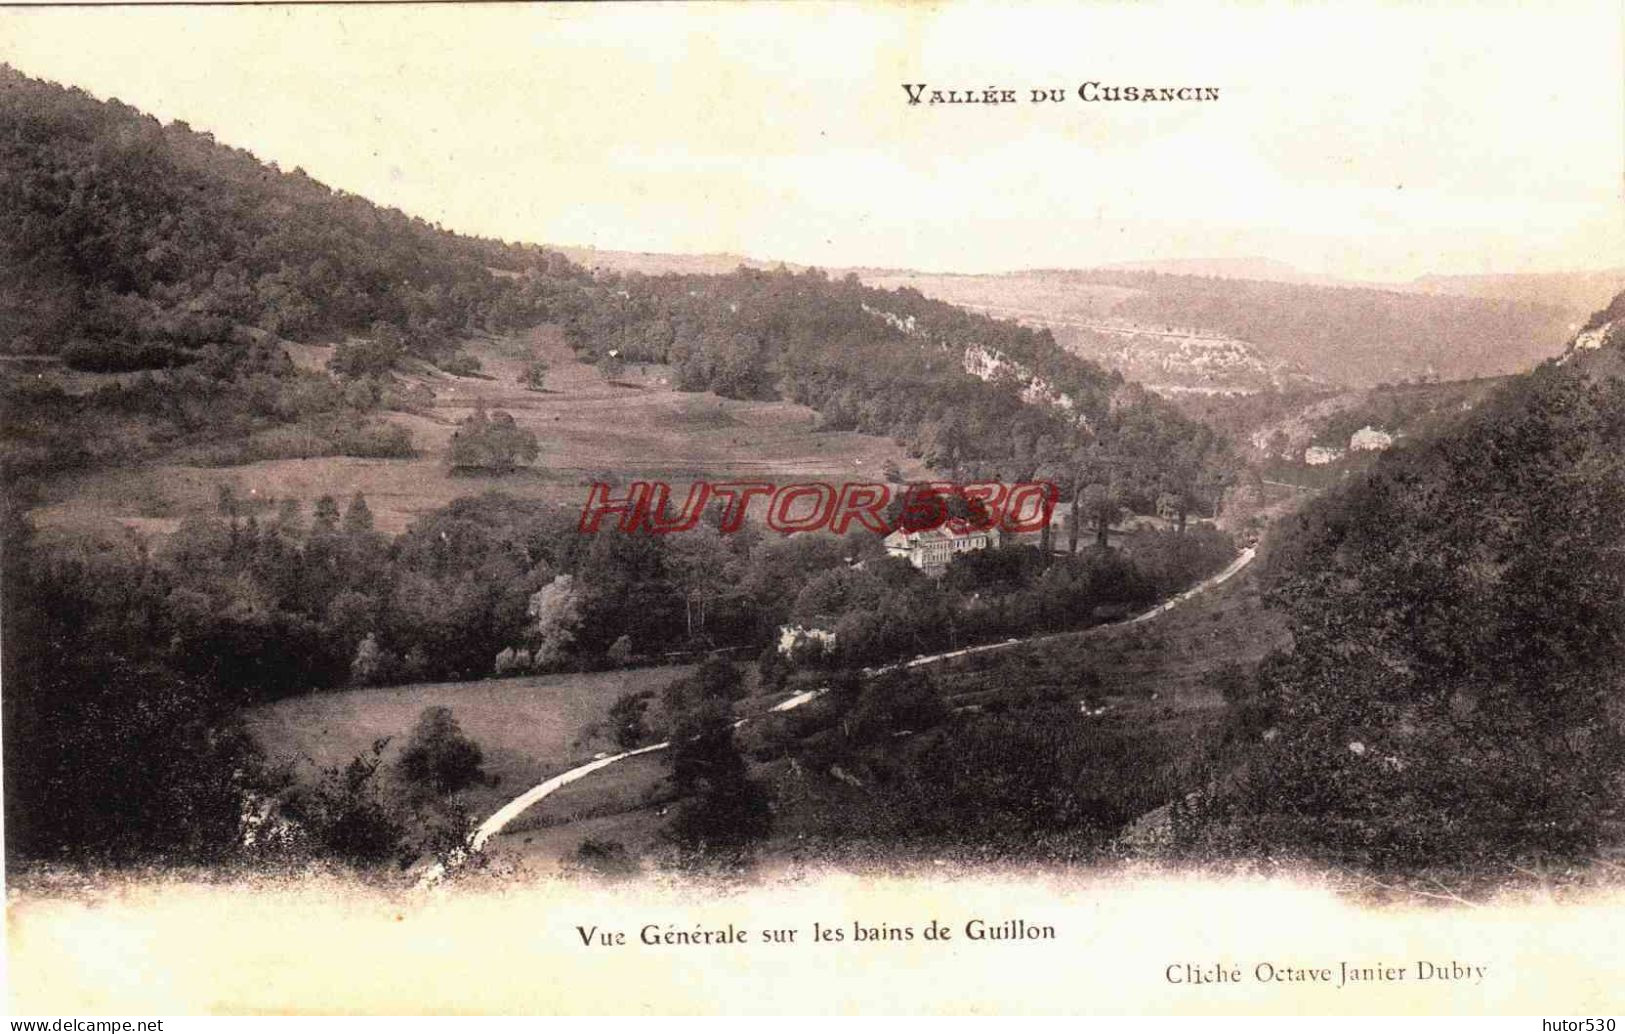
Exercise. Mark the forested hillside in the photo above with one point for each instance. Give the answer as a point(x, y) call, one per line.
point(967, 394)
point(1455, 693)
point(133, 246)
point(130, 244)
point(143, 246)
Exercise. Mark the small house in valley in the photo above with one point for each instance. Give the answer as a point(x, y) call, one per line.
point(931, 551)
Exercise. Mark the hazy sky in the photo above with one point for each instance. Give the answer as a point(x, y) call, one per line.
point(1367, 140)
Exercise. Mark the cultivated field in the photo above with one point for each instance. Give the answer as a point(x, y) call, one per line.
point(637, 427)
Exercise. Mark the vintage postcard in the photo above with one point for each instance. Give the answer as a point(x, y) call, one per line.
point(865, 508)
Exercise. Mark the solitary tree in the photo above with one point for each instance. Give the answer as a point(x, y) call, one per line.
point(555, 613)
point(1100, 504)
point(439, 757)
point(288, 517)
point(357, 516)
point(327, 513)
point(627, 718)
point(718, 678)
point(493, 442)
point(368, 663)
point(726, 810)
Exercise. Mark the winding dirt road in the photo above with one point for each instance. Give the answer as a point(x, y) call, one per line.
point(519, 805)
point(1242, 559)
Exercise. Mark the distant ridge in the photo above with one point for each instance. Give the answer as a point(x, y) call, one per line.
point(652, 263)
point(1254, 267)
point(1579, 291)
point(1576, 290)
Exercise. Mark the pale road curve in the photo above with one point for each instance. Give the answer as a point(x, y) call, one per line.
point(1242, 559)
point(519, 805)
point(516, 807)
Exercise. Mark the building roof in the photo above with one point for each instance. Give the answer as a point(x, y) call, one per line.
point(942, 533)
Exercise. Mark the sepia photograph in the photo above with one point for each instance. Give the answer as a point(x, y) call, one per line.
point(828, 508)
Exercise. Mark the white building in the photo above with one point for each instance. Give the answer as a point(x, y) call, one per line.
point(931, 551)
point(795, 639)
point(1369, 439)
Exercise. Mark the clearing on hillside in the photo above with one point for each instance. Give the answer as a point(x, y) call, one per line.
point(639, 426)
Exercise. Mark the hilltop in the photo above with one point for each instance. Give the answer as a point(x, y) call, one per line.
point(135, 245)
point(1575, 292)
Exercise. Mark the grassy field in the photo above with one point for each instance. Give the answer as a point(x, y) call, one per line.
point(588, 429)
point(629, 803)
point(528, 728)
point(637, 427)
point(549, 850)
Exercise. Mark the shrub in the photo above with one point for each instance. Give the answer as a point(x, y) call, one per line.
point(367, 357)
point(605, 857)
point(121, 356)
point(348, 816)
point(626, 715)
point(718, 678)
point(534, 375)
point(439, 757)
point(1232, 683)
point(772, 669)
point(460, 364)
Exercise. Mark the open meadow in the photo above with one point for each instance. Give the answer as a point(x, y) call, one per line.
point(527, 728)
point(588, 429)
